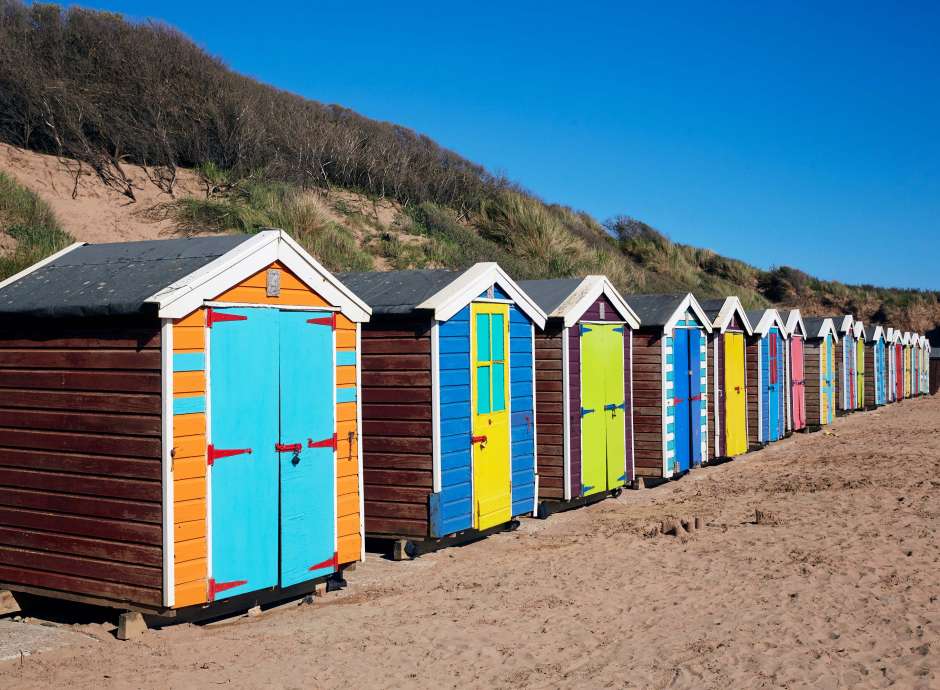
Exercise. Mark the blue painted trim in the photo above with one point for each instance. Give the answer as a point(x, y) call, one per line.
point(191, 405)
point(345, 395)
point(345, 359)
point(189, 361)
point(585, 411)
point(584, 329)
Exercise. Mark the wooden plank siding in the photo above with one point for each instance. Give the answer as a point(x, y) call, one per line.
point(812, 361)
point(549, 411)
point(754, 385)
point(869, 375)
point(80, 457)
point(648, 402)
point(396, 419)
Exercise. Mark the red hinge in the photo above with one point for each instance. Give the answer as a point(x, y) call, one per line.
point(326, 321)
point(213, 316)
point(332, 562)
point(330, 442)
point(676, 401)
point(696, 397)
point(216, 587)
point(213, 453)
point(288, 447)
point(477, 439)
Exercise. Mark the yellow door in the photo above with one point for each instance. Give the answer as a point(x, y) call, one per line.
point(489, 348)
point(735, 396)
point(860, 374)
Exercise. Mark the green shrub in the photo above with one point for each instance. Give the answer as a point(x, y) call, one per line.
point(31, 223)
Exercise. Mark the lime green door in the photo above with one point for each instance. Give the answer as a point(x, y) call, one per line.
point(603, 408)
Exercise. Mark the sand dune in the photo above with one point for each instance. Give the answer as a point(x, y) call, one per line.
point(839, 590)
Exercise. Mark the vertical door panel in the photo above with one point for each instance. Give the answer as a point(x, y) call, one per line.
point(243, 385)
point(681, 393)
point(773, 387)
point(735, 395)
point(695, 396)
point(615, 406)
point(798, 382)
point(492, 478)
point(593, 399)
point(308, 496)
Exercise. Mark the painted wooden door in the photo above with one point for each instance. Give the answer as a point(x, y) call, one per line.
point(492, 479)
point(848, 373)
point(798, 382)
point(681, 403)
point(696, 399)
point(735, 395)
point(615, 405)
point(860, 374)
point(771, 344)
point(907, 372)
point(243, 383)
point(593, 399)
point(880, 387)
point(827, 381)
point(307, 458)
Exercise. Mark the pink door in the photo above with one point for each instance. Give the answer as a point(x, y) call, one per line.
point(798, 382)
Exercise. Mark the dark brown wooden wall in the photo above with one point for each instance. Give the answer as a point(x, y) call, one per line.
point(812, 370)
point(869, 375)
point(574, 410)
point(648, 402)
point(397, 457)
point(549, 412)
point(751, 354)
point(80, 458)
point(713, 342)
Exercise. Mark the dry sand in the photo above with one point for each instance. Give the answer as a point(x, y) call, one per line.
point(841, 591)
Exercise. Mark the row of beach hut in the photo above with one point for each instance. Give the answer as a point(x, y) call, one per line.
point(212, 423)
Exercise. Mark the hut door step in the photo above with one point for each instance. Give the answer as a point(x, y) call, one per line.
point(214, 316)
point(328, 563)
point(325, 321)
point(330, 442)
point(213, 453)
point(216, 587)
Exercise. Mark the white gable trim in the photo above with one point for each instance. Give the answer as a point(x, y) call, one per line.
point(467, 287)
point(846, 324)
point(268, 246)
point(858, 329)
point(826, 328)
point(688, 302)
point(878, 334)
point(769, 319)
point(587, 292)
point(795, 323)
point(39, 264)
point(732, 305)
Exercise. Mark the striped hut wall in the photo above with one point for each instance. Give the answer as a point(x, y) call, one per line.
point(189, 430)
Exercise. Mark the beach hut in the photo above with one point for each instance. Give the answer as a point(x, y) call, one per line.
point(861, 335)
point(449, 418)
point(876, 384)
point(898, 353)
point(796, 374)
point(820, 371)
point(584, 392)
point(925, 367)
point(889, 365)
point(180, 424)
point(767, 366)
point(727, 378)
point(933, 377)
point(846, 358)
point(670, 385)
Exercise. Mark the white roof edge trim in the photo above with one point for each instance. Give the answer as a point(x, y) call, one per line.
point(795, 322)
point(768, 319)
point(587, 292)
point(186, 295)
point(731, 306)
point(827, 327)
point(467, 287)
point(846, 323)
point(878, 333)
point(39, 264)
point(688, 302)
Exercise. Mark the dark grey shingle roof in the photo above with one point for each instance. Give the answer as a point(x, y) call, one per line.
point(549, 294)
point(712, 307)
point(110, 279)
point(655, 310)
point(813, 324)
point(755, 315)
point(397, 292)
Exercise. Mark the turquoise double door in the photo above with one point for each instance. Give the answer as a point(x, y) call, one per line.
point(272, 465)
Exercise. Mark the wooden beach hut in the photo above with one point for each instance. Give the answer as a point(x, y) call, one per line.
point(861, 335)
point(922, 367)
point(820, 371)
point(796, 372)
point(180, 424)
point(584, 391)
point(727, 377)
point(876, 385)
point(925, 366)
point(766, 357)
point(933, 377)
point(670, 385)
point(890, 370)
point(846, 358)
point(898, 350)
point(448, 391)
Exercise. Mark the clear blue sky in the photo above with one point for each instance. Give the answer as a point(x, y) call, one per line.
point(798, 133)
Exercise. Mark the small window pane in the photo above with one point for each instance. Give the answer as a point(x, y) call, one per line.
point(483, 337)
point(499, 338)
point(483, 390)
point(499, 387)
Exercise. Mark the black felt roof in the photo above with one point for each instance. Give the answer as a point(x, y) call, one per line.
point(110, 279)
point(655, 310)
point(813, 324)
point(397, 292)
point(712, 307)
point(549, 294)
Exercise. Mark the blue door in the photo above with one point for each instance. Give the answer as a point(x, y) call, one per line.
point(307, 468)
point(243, 380)
point(681, 395)
point(695, 395)
point(774, 384)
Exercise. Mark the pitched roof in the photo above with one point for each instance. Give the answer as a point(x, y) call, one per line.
point(570, 298)
point(816, 327)
point(794, 321)
point(660, 309)
point(764, 319)
point(397, 292)
point(720, 312)
point(109, 279)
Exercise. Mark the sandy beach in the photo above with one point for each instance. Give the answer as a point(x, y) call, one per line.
point(837, 587)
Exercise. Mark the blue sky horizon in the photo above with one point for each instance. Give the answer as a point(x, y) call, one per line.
point(803, 135)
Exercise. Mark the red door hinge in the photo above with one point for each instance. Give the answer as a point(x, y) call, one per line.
point(214, 316)
point(325, 321)
point(213, 453)
point(331, 442)
point(216, 587)
point(676, 401)
point(329, 563)
point(696, 397)
point(288, 447)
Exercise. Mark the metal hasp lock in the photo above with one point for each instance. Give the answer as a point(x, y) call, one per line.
point(479, 439)
point(288, 447)
point(613, 407)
